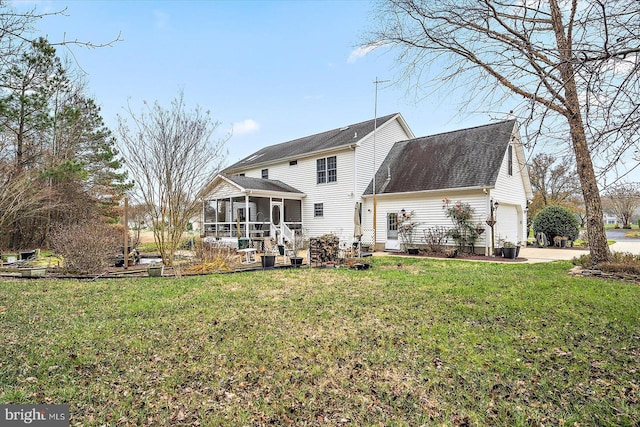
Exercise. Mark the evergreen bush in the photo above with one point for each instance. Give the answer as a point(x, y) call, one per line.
point(556, 221)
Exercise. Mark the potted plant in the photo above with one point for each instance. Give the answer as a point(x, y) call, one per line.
point(518, 246)
point(268, 260)
point(155, 269)
point(298, 243)
point(509, 250)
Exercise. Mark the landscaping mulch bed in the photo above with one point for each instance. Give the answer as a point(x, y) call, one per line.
point(463, 256)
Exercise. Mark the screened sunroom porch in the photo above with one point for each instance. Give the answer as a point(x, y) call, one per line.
point(250, 207)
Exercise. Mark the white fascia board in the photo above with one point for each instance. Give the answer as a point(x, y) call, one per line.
point(269, 193)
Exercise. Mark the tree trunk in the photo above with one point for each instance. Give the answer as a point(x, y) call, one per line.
point(595, 226)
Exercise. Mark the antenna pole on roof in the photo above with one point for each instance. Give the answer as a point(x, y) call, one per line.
point(375, 128)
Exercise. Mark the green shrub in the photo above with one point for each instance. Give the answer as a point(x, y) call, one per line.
point(556, 221)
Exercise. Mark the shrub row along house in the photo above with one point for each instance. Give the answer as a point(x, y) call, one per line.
point(325, 183)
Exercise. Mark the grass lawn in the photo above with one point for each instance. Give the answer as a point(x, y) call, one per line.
point(430, 342)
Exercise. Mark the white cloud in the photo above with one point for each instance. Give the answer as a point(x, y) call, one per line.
point(245, 126)
point(362, 51)
point(622, 66)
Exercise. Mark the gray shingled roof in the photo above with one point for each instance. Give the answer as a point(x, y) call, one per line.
point(260, 184)
point(339, 137)
point(463, 158)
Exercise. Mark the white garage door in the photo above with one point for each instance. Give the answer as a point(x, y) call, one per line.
point(508, 224)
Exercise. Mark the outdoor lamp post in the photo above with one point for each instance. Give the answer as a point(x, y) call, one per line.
point(491, 222)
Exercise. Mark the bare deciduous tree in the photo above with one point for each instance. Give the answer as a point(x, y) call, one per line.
point(554, 182)
point(171, 155)
point(623, 200)
point(574, 65)
point(22, 200)
point(17, 26)
point(554, 179)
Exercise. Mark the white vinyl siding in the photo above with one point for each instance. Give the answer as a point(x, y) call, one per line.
point(386, 136)
point(428, 211)
point(511, 194)
point(337, 197)
point(223, 190)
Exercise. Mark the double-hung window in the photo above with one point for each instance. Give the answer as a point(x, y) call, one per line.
point(318, 209)
point(332, 169)
point(265, 173)
point(327, 170)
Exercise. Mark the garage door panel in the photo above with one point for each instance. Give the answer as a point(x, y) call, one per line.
point(507, 223)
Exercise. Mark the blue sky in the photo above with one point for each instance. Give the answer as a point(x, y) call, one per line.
point(272, 70)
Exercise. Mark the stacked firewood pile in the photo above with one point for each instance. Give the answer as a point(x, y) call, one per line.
point(324, 248)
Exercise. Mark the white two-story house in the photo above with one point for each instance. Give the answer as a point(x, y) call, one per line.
point(323, 183)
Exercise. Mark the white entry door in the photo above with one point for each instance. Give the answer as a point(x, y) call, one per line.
point(392, 243)
point(276, 218)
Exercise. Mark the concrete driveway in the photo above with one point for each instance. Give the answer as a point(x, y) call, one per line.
point(534, 255)
point(627, 246)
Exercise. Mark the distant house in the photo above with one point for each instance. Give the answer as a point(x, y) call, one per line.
point(323, 182)
point(609, 219)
